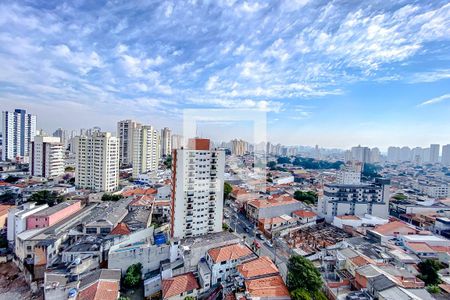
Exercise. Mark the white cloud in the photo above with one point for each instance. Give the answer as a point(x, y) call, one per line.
point(435, 100)
point(252, 7)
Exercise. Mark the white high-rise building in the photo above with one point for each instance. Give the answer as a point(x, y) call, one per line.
point(375, 155)
point(146, 150)
point(19, 129)
point(46, 157)
point(393, 154)
point(239, 147)
point(446, 155)
point(361, 154)
point(125, 133)
point(166, 142)
point(97, 162)
point(197, 190)
point(434, 153)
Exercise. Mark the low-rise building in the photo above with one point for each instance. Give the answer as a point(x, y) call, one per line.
point(305, 217)
point(52, 215)
point(179, 287)
point(273, 207)
point(17, 218)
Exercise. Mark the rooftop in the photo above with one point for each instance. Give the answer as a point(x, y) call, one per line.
point(393, 227)
point(268, 287)
point(230, 252)
point(54, 209)
point(179, 284)
point(258, 267)
point(304, 213)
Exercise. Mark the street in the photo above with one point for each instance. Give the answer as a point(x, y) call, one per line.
point(239, 223)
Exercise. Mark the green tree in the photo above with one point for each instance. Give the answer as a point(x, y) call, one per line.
point(303, 275)
point(46, 197)
point(8, 197)
point(189, 298)
point(429, 271)
point(283, 160)
point(123, 298)
point(271, 165)
point(168, 162)
point(400, 196)
point(433, 289)
point(309, 197)
point(227, 189)
point(300, 294)
point(319, 295)
point(111, 197)
point(133, 276)
point(12, 179)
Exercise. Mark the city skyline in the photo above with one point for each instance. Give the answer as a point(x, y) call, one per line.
point(331, 74)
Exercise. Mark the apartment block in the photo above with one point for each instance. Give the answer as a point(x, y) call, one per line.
point(166, 142)
point(197, 189)
point(18, 129)
point(46, 157)
point(146, 150)
point(97, 162)
point(125, 133)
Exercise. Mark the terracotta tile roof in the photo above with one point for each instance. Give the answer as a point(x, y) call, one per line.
point(179, 284)
point(100, 290)
point(393, 227)
point(304, 213)
point(274, 220)
point(267, 287)
point(144, 200)
point(230, 252)
point(121, 229)
point(276, 201)
point(4, 208)
point(139, 191)
point(258, 267)
point(360, 261)
point(445, 287)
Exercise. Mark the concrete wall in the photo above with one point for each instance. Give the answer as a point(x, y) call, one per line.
point(46, 221)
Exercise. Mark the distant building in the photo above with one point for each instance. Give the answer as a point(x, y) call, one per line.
point(46, 157)
point(146, 150)
point(18, 129)
point(125, 130)
point(355, 199)
point(97, 162)
point(434, 153)
point(360, 154)
point(239, 147)
point(177, 141)
point(197, 190)
point(166, 142)
point(446, 155)
point(62, 135)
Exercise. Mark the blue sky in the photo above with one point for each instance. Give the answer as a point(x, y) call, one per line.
point(333, 73)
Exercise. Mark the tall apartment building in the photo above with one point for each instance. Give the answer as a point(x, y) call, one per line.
point(46, 157)
point(19, 129)
point(375, 155)
point(146, 150)
point(239, 147)
point(446, 155)
point(97, 162)
point(125, 133)
point(361, 154)
point(434, 153)
point(166, 142)
point(197, 189)
point(355, 199)
point(349, 174)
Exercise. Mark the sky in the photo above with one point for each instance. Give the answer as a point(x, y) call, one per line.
point(332, 73)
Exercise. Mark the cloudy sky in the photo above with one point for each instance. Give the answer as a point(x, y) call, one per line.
point(333, 73)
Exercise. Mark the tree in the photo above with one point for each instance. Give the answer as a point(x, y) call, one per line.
point(111, 197)
point(433, 289)
point(168, 162)
point(319, 295)
point(227, 189)
point(189, 298)
point(370, 171)
point(271, 165)
point(309, 197)
point(8, 197)
point(12, 179)
point(300, 294)
point(400, 196)
point(303, 275)
point(429, 271)
point(283, 160)
point(46, 197)
point(133, 276)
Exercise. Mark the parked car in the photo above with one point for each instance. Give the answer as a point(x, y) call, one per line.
point(269, 244)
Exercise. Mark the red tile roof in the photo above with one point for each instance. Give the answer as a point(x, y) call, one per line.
point(100, 290)
point(267, 287)
point(258, 267)
point(348, 217)
point(179, 284)
point(394, 227)
point(276, 201)
point(121, 229)
point(230, 252)
point(304, 213)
